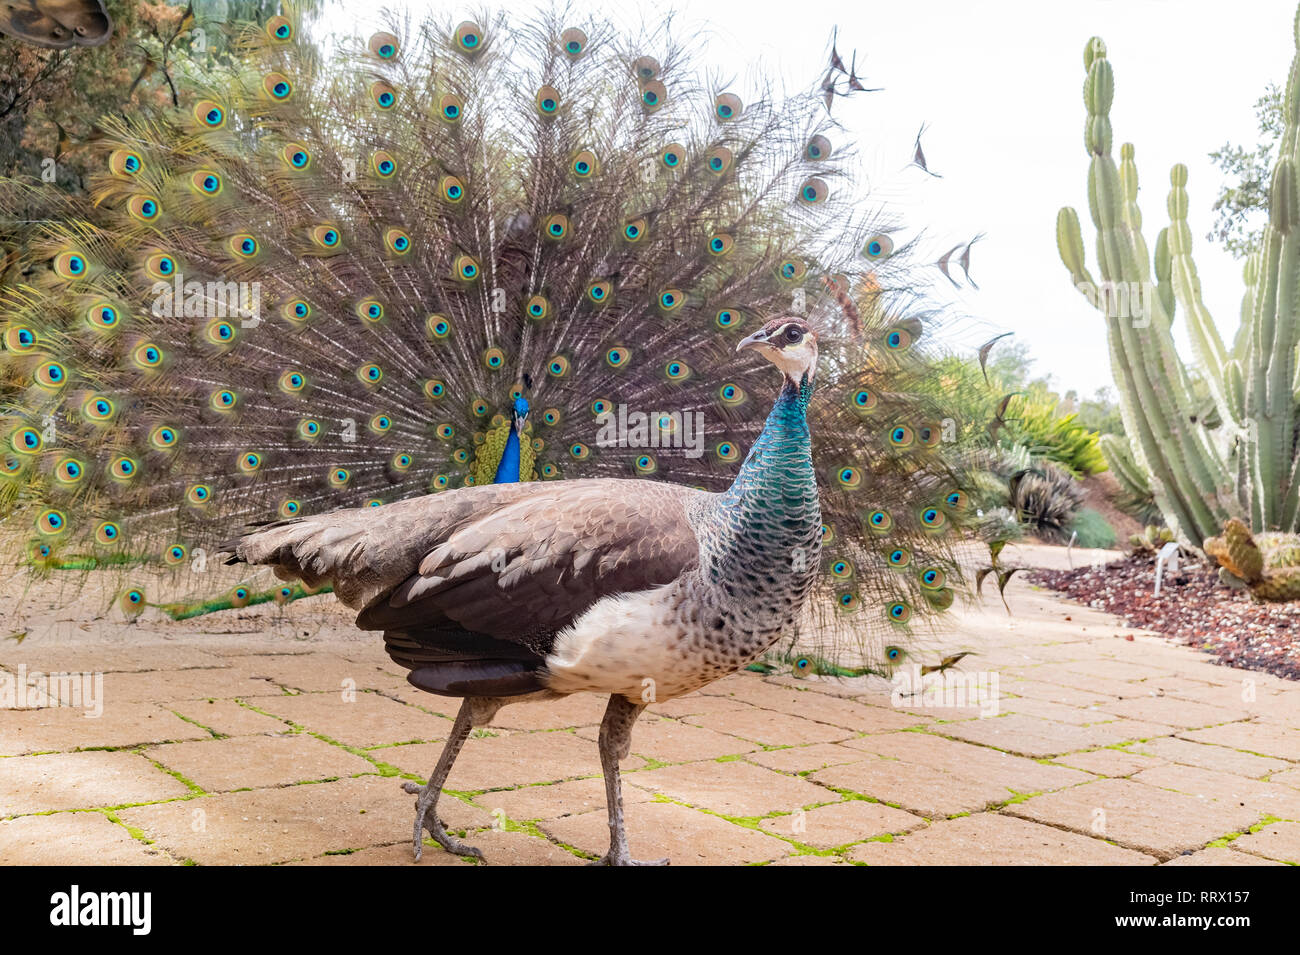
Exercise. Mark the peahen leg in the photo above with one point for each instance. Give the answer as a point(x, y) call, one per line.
point(615, 744)
point(426, 807)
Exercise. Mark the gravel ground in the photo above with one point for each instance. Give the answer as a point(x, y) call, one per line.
point(1193, 608)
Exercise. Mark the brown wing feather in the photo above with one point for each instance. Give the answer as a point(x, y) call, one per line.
point(514, 562)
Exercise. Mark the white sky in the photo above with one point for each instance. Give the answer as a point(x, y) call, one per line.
point(1000, 86)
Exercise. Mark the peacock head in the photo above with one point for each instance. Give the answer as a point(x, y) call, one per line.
point(519, 413)
point(789, 343)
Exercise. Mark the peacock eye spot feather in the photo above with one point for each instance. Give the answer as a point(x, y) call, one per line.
point(451, 107)
point(878, 247)
point(466, 268)
point(538, 307)
point(469, 37)
point(298, 157)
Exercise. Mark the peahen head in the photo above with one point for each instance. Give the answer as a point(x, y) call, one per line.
point(789, 343)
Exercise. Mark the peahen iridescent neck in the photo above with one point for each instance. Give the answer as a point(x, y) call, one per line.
point(761, 538)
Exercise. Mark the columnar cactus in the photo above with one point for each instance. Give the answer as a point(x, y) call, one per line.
point(1247, 467)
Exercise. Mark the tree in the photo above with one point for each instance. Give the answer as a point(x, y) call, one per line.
point(1242, 208)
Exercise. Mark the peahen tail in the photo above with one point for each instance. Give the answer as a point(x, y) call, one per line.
point(472, 253)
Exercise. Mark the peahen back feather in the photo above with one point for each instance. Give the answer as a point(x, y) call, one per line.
point(330, 284)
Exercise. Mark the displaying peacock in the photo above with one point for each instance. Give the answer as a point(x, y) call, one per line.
point(484, 253)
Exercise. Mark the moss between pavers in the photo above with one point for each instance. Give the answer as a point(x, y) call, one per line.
point(209, 729)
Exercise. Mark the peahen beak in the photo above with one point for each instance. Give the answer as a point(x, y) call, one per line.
point(753, 341)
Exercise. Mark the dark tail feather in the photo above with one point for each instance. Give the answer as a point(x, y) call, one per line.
point(477, 678)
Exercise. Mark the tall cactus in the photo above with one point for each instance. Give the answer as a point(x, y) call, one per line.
point(1249, 466)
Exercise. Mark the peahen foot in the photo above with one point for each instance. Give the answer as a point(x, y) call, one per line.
point(426, 818)
point(615, 744)
point(426, 807)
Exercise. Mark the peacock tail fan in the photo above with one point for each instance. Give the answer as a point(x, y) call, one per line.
point(447, 254)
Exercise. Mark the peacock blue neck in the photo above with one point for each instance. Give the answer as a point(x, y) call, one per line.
point(508, 469)
point(762, 536)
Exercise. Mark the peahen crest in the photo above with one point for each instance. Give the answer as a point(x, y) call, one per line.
point(464, 253)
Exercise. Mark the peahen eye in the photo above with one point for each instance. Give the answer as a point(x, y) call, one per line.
point(793, 334)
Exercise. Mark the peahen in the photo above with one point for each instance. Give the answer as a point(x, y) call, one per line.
point(527, 591)
point(482, 256)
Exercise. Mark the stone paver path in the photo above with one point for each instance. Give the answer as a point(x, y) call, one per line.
point(277, 745)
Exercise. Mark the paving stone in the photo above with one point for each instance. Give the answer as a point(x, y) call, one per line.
point(963, 759)
point(918, 788)
point(580, 709)
point(1279, 840)
point(508, 760)
point(81, 781)
point(1210, 757)
point(249, 762)
point(1264, 739)
point(115, 658)
point(673, 741)
point(693, 704)
point(1030, 736)
point(1289, 778)
point(1173, 711)
point(850, 821)
point(769, 727)
point(825, 709)
point(1110, 762)
point(731, 788)
point(295, 822)
point(1218, 856)
point(1266, 798)
point(320, 672)
point(1065, 675)
point(66, 728)
point(1047, 710)
point(368, 720)
point(160, 686)
point(1142, 817)
point(520, 848)
point(801, 759)
point(994, 839)
point(810, 860)
point(685, 836)
point(555, 800)
point(398, 854)
point(444, 707)
point(1117, 669)
point(69, 837)
point(1054, 693)
point(228, 717)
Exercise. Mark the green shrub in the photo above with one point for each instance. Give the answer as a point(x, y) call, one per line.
point(1093, 529)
